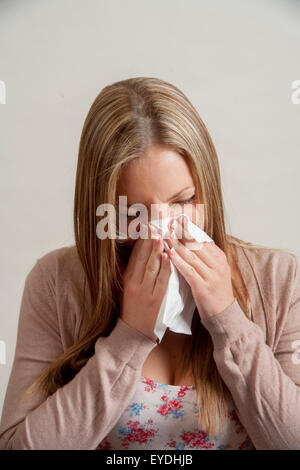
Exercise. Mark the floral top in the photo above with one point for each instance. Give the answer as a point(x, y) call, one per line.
point(161, 416)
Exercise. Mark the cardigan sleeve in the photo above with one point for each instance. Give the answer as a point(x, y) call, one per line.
point(79, 414)
point(264, 384)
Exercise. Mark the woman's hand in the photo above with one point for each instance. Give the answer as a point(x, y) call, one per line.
point(145, 281)
point(207, 271)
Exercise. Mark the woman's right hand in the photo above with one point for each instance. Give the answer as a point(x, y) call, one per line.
point(145, 282)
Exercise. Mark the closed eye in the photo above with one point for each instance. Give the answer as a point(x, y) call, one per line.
point(187, 200)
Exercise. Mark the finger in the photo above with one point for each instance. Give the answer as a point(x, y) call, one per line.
point(191, 258)
point(210, 254)
point(162, 279)
point(187, 239)
point(139, 257)
point(201, 249)
point(192, 275)
point(153, 266)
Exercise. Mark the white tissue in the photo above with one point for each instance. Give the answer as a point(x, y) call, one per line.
point(178, 305)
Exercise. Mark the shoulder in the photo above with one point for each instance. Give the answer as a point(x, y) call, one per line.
point(60, 263)
point(59, 274)
point(272, 278)
point(274, 267)
point(53, 258)
point(57, 283)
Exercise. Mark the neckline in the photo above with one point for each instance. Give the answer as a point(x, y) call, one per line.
point(175, 387)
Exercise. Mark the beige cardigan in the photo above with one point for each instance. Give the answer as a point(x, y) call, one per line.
point(259, 360)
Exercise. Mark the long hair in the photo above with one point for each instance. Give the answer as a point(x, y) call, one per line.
point(125, 119)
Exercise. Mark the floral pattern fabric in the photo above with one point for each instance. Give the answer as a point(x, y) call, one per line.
point(161, 416)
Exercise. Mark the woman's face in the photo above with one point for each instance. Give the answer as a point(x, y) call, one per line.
point(162, 181)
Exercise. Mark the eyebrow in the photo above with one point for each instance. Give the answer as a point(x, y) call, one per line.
point(180, 192)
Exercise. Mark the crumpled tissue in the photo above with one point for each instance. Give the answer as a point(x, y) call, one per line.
point(178, 305)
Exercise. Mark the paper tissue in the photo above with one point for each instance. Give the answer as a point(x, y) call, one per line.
point(178, 306)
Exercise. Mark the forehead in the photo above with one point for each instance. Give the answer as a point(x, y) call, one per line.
point(159, 174)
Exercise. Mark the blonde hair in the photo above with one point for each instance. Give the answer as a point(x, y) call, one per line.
point(125, 119)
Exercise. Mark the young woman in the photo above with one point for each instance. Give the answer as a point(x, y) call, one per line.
point(88, 371)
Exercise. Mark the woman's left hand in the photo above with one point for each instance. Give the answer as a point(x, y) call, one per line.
point(207, 271)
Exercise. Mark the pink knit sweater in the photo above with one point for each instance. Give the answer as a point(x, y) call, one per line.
point(258, 359)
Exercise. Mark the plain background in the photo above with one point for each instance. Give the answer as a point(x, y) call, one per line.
point(235, 60)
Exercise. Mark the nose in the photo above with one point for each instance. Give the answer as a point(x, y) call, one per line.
point(159, 211)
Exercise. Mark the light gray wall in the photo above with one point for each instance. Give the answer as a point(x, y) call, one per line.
point(234, 59)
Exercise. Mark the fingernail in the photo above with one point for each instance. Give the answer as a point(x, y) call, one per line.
point(171, 251)
point(166, 245)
